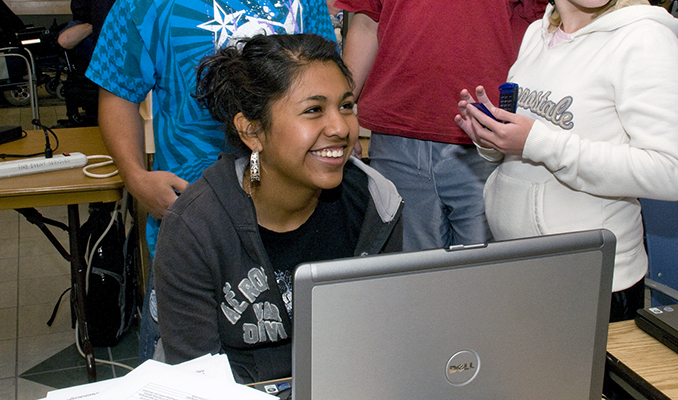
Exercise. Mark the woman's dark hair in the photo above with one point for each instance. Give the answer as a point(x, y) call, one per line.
point(249, 76)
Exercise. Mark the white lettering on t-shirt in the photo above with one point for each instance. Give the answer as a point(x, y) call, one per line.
point(268, 327)
point(255, 283)
point(251, 287)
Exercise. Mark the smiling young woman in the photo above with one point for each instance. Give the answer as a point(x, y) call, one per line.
point(304, 151)
point(228, 246)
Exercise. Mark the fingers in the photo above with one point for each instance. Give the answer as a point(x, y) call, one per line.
point(464, 124)
point(466, 96)
point(157, 191)
point(507, 135)
point(179, 184)
point(480, 132)
point(481, 94)
point(474, 122)
point(470, 126)
point(358, 149)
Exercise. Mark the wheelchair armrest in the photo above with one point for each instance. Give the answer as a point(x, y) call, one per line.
point(661, 288)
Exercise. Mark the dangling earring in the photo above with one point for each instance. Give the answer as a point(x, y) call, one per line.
point(255, 172)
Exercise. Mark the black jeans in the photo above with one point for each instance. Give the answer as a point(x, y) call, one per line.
point(627, 301)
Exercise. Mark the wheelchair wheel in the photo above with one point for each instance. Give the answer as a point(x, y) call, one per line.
point(19, 97)
point(61, 91)
point(52, 86)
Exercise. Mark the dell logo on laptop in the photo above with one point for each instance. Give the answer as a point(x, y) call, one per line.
point(462, 367)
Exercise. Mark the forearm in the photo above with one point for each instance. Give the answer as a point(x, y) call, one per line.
point(123, 134)
point(122, 131)
point(72, 36)
point(360, 49)
point(606, 168)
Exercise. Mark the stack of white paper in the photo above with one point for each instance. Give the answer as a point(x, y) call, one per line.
point(205, 378)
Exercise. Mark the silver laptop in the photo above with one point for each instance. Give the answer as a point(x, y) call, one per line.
point(523, 319)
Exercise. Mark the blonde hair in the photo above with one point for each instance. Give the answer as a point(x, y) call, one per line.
point(555, 21)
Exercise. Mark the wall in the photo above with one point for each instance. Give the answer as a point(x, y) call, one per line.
point(39, 7)
point(41, 13)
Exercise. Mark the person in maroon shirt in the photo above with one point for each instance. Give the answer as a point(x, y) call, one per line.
point(410, 60)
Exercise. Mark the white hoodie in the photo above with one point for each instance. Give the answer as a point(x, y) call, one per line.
point(605, 103)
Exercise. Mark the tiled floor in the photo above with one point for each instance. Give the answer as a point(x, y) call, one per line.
point(36, 358)
point(51, 111)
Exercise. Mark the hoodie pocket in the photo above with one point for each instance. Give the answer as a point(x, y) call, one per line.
point(514, 207)
point(519, 208)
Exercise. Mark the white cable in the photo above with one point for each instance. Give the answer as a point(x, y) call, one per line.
point(90, 255)
point(109, 161)
point(82, 353)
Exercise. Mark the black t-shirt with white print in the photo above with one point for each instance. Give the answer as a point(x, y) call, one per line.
point(327, 234)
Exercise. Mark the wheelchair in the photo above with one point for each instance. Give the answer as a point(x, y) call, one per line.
point(32, 57)
point(46, 63)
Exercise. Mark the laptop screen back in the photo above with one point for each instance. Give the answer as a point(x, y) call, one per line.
point(522, 319)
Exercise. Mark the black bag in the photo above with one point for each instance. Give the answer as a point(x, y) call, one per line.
point(111, 280)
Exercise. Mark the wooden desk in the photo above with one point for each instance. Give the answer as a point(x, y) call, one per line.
point(63, 188)
point(58, 187)
point(365, 143)
point(642, 362)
